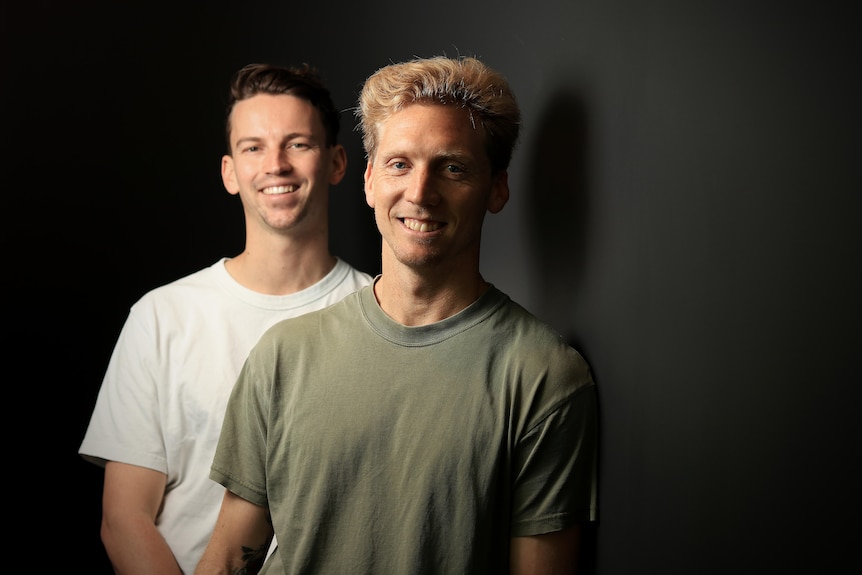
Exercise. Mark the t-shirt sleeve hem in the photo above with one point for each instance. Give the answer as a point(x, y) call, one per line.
point(100, 454)
point(240, 488)
point(552, 523)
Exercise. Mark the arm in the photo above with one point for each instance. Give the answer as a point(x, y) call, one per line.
point(240, 541)
point(548, 554)
point(131, 499)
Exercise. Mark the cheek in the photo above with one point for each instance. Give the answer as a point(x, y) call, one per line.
point(382, 192)
point(243, 171)
point(475, 213)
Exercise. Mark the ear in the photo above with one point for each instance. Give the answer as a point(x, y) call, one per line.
point(368, 178)
point(339, 164)
point(499, 192)
point(228, 175)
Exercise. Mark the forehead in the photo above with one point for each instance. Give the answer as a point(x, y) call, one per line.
point(432, 128)
point(274, 114)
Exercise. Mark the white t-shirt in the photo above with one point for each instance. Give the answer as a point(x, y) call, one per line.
point(164, 394)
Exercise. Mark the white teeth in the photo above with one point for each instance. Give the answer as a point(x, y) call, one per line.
point(418, 226)
point(275, 190)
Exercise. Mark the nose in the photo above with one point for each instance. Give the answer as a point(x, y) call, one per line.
point(276, 161)
point(422, 188)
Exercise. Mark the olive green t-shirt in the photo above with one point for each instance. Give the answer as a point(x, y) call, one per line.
point(381, 448)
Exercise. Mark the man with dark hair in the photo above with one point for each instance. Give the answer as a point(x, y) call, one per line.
point(159, 410)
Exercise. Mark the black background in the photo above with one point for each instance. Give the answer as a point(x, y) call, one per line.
point(685, 209)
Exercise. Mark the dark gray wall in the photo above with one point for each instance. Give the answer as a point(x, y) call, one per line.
point(685, 209)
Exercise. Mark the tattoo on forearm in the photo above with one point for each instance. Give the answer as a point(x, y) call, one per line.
point(253, 559)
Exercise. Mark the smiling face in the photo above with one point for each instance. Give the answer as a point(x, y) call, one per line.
point(279, 163)
point(430, 185)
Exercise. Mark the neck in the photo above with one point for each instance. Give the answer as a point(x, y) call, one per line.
point(282, 269)
point(413, 298)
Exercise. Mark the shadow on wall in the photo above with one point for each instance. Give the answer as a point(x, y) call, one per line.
point(557, 206)
point(557, 209)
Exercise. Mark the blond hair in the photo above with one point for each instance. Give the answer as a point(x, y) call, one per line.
point(462, 81)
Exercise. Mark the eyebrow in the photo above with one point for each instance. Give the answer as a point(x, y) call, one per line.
point(287, 137)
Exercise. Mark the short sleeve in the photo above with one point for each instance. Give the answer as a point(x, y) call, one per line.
point(555, 468)
point(126, 422)
point(239, 463)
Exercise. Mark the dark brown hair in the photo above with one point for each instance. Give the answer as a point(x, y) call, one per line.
point(302, 82)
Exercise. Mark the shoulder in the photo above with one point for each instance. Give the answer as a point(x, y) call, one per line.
point(532, 331)
point(539, 348)
point(188, 290)
point(327, 322)
point(202, 278)
point(347, 274)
